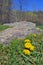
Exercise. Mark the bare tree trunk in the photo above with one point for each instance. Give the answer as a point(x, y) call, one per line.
point(20, 10)
point(5, 8)
point(1, 11)
point(9, 11)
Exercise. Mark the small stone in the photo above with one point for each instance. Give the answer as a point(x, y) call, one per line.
point(2, 40)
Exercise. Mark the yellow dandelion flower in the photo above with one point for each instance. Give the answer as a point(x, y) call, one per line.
point(27, 52)
point(27, 40)
point(32, 48)
point(34, 35)
point(27, 45)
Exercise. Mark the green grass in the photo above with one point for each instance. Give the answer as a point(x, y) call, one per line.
point(12, 54)
point(41, 27)
point(3, 27)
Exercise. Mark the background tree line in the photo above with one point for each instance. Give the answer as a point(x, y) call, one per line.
point(7, 15)
point(5, 11)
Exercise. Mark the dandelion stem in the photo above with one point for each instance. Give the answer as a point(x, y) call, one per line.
point(26, 57)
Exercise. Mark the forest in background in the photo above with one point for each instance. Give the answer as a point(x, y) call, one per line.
point(7, 15)
point(36, 17)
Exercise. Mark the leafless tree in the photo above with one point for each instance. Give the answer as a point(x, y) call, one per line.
point(1, 11)
point(20, 1)
point(5, 8)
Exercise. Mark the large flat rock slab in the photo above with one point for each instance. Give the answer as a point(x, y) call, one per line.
point(20, 30)
point(20, 24)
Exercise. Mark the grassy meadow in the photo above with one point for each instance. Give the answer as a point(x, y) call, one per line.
point(41, 27)
point(27, 51)
point(3, 27)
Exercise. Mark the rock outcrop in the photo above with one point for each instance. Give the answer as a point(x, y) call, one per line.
point(19, 30)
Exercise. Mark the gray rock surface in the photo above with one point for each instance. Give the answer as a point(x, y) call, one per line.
point(20, 30)
point(22, 23)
